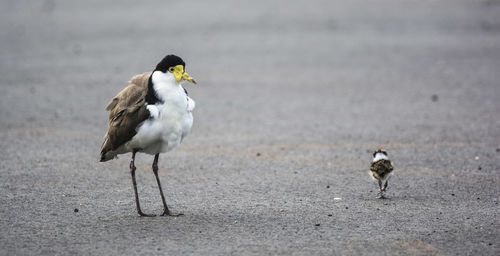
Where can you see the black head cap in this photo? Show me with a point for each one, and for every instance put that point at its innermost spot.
(379, 151)
(169, 61)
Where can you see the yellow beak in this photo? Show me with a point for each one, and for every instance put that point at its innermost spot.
(181, 75)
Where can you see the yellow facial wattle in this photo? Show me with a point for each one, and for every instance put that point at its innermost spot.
(179, 74)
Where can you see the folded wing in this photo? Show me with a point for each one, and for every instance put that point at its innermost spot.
(126, 112)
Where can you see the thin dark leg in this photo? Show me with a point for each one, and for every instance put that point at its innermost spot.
(385, 185)
(132, 172)
(166, 212)
(380, 192)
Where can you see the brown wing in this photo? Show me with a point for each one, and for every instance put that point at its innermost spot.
(127, 111)
(381, 167)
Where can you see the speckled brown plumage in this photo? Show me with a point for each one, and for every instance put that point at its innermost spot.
(127, 110)
(381, 169)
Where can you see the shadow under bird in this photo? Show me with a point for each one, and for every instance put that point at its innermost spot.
(381, 170)
(152, 115)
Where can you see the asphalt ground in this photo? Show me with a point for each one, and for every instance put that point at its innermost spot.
(293, 98)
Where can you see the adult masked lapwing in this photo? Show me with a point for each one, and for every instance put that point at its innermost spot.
(152, 115)
(380, 170)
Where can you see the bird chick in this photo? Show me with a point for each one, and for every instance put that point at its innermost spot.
(380, 170)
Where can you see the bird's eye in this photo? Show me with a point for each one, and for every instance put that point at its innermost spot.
(171, 70)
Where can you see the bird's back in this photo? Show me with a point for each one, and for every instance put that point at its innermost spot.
(127, 110)
(381, 168)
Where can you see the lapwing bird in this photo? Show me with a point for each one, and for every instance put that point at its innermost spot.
(152, 115)
(380, 170)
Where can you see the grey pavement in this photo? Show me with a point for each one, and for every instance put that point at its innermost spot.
(293, 97)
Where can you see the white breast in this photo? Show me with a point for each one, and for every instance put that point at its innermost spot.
(165, 130)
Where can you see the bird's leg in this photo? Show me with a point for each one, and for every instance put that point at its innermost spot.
(385, 185)
(166, 212)
(380, 192)
(132, 172)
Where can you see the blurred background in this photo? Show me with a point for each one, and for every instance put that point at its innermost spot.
(293, 97)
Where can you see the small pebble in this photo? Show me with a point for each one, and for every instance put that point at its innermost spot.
(476, 158)
(434, 97)
(258, 154)
(76, 210)
(498, 149)
(317, 225)
(328, 186)
(347, 207)
(330, 215)
(453, 194)
(479, 168)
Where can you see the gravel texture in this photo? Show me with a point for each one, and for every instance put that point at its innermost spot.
(293, 98)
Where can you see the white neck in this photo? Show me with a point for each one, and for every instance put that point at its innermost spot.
(164, 83)
(380, 156)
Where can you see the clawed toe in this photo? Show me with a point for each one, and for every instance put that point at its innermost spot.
(381, 196)
(141, 214)
(165, 213)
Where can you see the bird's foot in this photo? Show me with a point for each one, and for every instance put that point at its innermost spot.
(141, 214)
(381, 194)
(169, 213)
